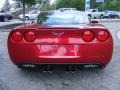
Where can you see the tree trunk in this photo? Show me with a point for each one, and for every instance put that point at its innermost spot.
(23, 12)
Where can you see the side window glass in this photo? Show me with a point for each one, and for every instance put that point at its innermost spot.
(93, 10)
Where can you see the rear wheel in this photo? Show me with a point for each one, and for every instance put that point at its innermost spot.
(26, 18)
(101, 67)
(89, 16)
(101, 16)
(116, 17)
(5, 19)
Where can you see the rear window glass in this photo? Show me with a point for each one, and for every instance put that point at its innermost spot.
(62, 18)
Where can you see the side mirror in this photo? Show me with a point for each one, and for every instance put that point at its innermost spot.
(94, 22)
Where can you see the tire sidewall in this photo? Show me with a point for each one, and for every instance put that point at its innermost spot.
(26, 18)
(5, 19)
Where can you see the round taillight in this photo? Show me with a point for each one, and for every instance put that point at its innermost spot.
(88, 36)
(103, 36)
(16, 36)
(30, 36)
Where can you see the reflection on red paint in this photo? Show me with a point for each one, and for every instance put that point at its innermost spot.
(58, 50)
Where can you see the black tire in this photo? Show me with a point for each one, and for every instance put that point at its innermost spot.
(89, 16)
(3, 19)
(108, 17)
(116, 17)
(27, 18)
(101, 16)
(101, 66)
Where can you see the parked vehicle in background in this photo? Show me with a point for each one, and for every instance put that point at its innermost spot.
(65, 9)
(5, 17)
(111, 14)
(119, 14)
(94, 13)
(32, 15)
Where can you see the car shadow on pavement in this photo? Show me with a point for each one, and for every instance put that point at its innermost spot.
(63, 79)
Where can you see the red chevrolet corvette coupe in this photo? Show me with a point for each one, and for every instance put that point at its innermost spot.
(61, 37)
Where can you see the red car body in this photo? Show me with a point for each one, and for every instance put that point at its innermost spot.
(60, 44)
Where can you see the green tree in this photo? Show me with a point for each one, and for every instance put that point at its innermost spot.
(27, 2)
(107, 5)
(113, 4)
(45, 4)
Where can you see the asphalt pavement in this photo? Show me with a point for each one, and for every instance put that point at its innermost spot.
(7, 26)
(13, 78)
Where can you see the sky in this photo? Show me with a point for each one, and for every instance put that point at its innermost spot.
(52, 1)
(2, 2)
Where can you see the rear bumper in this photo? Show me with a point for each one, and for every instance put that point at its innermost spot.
(111, 16)
(87, 53)
(75, 65)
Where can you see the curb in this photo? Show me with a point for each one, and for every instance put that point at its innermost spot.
(106, 20)
(10, 26)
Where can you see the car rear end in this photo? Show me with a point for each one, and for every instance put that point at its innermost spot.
(111, 14)
(61, 38)
(60, 46)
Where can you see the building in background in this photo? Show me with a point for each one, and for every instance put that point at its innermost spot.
(87, 5)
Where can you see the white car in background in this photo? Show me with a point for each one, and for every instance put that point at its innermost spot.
(94, 13)
(32, 15)
(67, 9)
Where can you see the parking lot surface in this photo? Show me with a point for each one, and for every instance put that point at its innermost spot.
(13, 78)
